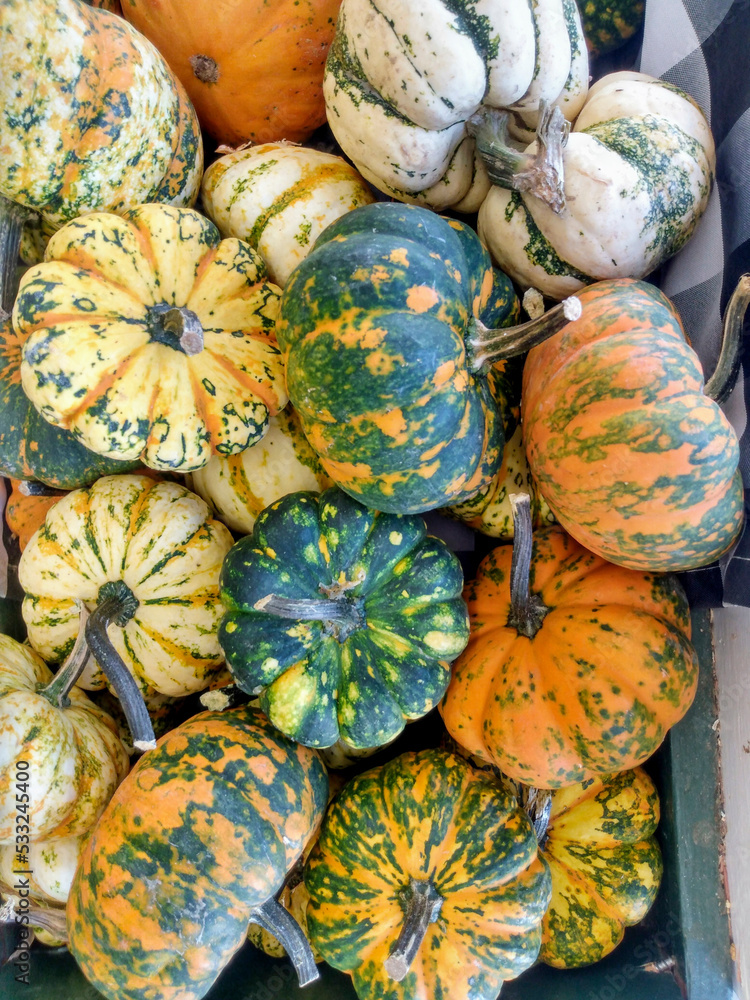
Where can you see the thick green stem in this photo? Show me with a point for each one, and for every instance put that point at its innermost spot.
(343, 615)
(272, 916)
(527, 610)
(56, 692)
(422, 904)
(12, 218)
(117, 605)
(541, 173)
(485, 347)
(727, 368)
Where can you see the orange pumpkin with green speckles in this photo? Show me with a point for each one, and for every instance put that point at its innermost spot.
(633, 456)
(389, 361)
(193, 846)
(574, 667)
(27, 508)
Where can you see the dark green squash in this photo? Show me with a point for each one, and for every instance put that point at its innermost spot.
(389, 359)
(344, 619)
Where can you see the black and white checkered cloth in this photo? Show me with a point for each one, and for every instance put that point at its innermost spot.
(703, 46)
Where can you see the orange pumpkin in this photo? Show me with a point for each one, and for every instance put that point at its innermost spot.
(574, 668)
(254, 71)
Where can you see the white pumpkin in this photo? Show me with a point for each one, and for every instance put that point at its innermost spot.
(279, 198)
(51, 864)
(402, 78)
(638, 169)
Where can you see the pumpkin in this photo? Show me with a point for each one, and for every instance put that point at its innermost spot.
(62, 757)
(489, 511)
(254, 72)
(93, 119)
(389, 362)
(574, 667)
(294, 896)
(425, 882)
(636, 460)
(239, 487)
(147, 552)
(167, 351)
(606, 866)
(50, 865)
(195, 843)
(279, 198)
(607, 24)
(27, 508)
(342, 618)
(31, 448)
(402, 79)
(637, 171)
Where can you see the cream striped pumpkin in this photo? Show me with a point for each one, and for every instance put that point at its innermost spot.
(156, 540)
(239, 487)
(279, 197)
(52, 864)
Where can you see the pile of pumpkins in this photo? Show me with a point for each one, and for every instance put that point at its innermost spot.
(222, 426)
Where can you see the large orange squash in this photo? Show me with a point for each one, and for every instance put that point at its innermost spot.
(574, 667)
(253, 69)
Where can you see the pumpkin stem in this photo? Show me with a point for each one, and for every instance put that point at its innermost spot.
(43, 918)
(721, 383)
(31, 488)
(272, 917)
(540, 173)
(537, 804)
(56, 692)
(343, 615)
(485, 347)
(12, 217)
(177, 327)
(422, 904)
(117, 605)
(527, 611)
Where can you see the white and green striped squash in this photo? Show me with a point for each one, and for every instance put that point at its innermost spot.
(401, 79)
(279, 197)
(154, 546)
(638, 169)
(239, 487)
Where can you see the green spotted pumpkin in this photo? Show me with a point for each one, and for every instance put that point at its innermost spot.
(344, 619)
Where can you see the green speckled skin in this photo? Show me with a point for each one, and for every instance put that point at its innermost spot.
(427, 816)
(317, 683)
(605, 862)
(372, 326)
(31, 448)
(609, 23)
(204, 828)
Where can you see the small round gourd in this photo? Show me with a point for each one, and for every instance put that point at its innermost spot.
(51, 865)
(279, 198)
(168, 350)
(195, 845)
(426, 882)
(342, 618)
(62, 756)
(154, 550)
(575, 667)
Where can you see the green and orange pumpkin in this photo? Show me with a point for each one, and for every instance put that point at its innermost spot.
(574, 667)
(195, 844)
